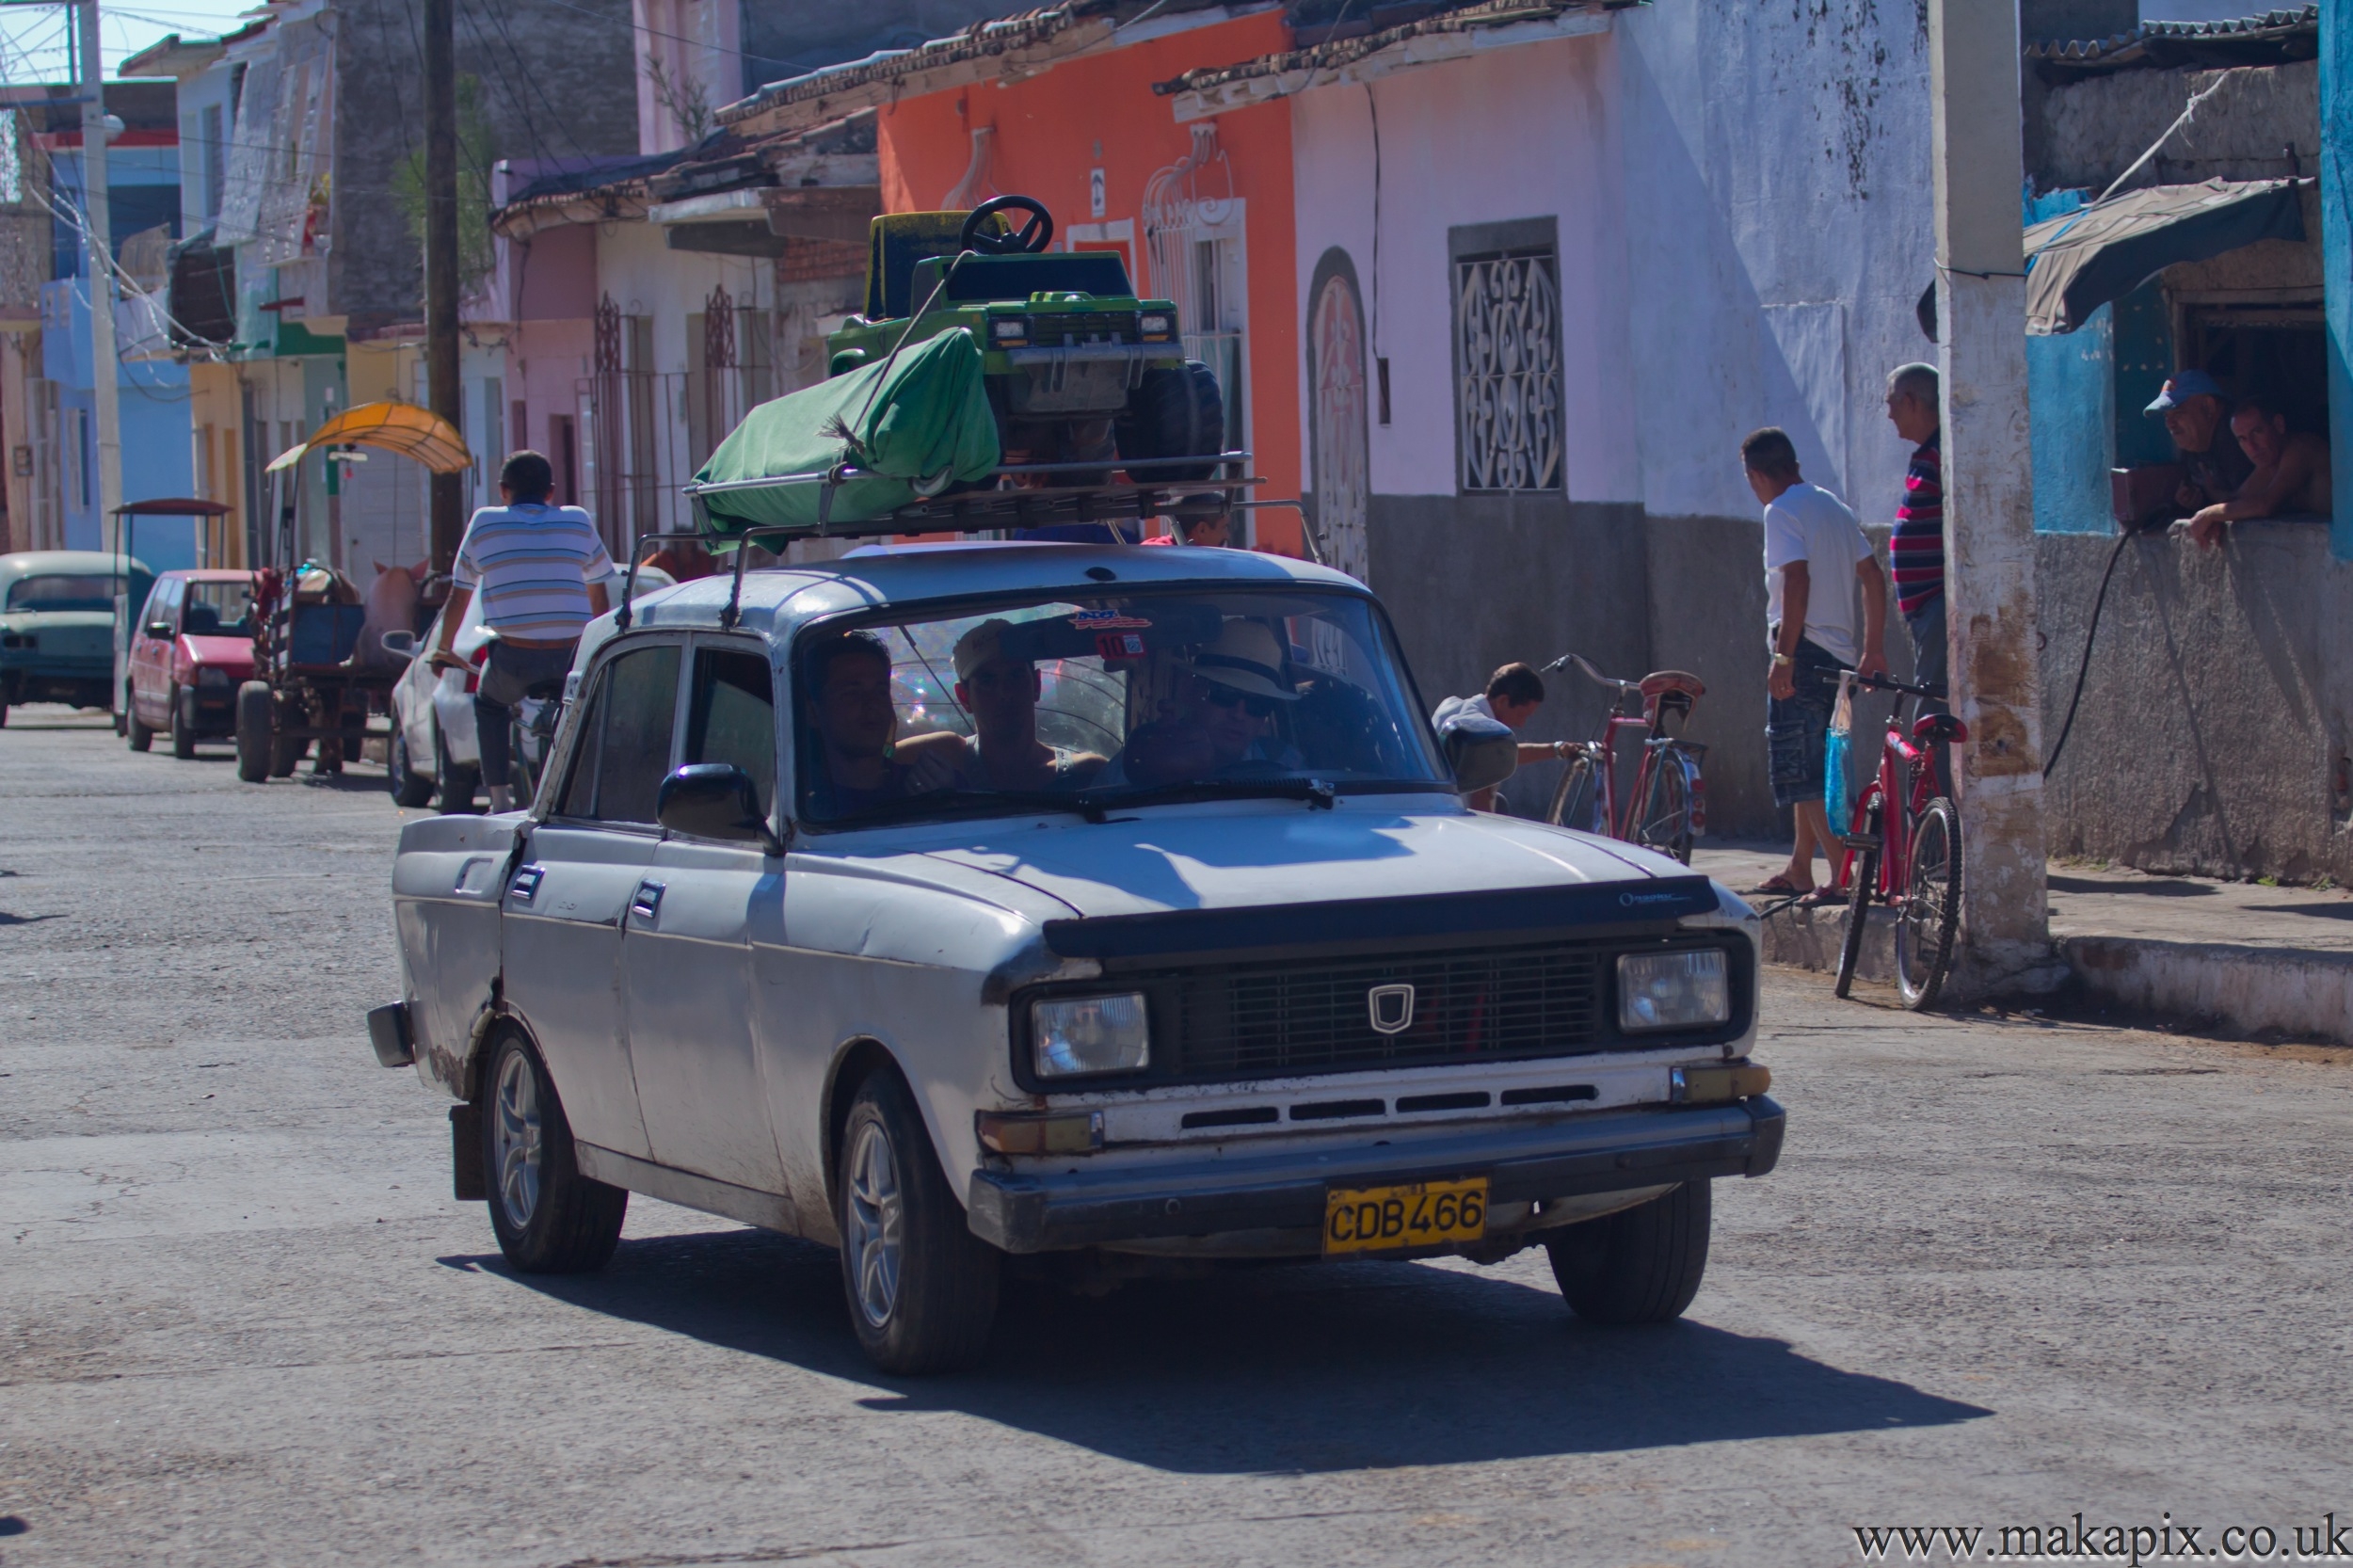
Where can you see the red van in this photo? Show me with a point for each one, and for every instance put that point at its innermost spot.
(193, 646)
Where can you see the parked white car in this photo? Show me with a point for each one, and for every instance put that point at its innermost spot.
(433, 744)
(964, 906)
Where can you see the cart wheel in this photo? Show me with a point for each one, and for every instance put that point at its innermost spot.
(255, 755)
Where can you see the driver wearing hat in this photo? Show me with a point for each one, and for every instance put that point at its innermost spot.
(1232, 688)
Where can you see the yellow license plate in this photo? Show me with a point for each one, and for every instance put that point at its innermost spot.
(1384, 1218)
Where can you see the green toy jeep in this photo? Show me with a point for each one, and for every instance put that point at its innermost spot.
(1079, 370)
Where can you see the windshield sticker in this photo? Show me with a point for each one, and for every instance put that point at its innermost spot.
(1108, 621)
(1112, 647)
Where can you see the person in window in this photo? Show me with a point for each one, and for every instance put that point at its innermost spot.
(1207, 532)
(1000, 688)
(2290, 474)
(1225, 722)
(2196, 417)
(856, 726)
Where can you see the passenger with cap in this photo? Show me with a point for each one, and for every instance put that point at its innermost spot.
(1230, 694)
(1000, 689)
(2197, 417)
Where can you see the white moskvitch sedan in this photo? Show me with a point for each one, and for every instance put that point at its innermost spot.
(980, 908)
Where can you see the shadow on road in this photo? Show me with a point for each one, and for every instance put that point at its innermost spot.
(1349, 1367)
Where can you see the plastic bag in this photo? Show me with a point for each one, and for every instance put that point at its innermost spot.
(1837, 800)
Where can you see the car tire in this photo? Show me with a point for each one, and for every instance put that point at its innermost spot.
(922, 1289)
(1175, 412)
(255, 753)
(409, 791)
(136, 735)
(182, 724)
(1641, 1265)
(549, 1219)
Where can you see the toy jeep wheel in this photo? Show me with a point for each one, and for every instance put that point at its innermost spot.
(1176, 412)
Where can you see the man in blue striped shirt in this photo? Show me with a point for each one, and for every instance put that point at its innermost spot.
(540, 570)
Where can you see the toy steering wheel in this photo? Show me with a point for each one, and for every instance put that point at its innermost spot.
(981, 235)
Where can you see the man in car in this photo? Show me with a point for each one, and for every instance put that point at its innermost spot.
(2290, 474)
(1000, 688)
(541, 571)
(856, 726)
(1226, 714)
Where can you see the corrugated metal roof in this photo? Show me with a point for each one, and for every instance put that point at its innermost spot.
(1341, 52)
(982, 40)
(2268, 38)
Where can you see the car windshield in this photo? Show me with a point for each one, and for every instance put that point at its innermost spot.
(79, 591)
(1081, 703)
(219, 610)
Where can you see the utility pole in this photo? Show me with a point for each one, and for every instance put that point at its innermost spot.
(98, 267)
(1995, 681)
(440, 263)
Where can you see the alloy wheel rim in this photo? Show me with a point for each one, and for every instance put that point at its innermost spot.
(878, 1224)
(515, 1133)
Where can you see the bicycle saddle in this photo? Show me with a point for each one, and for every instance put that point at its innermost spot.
(1931, 727)
(1672, 680)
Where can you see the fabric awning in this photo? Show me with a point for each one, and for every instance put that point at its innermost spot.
(401, 427)
(2080, 262)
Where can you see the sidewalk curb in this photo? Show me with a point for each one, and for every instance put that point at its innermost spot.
(2248, 990)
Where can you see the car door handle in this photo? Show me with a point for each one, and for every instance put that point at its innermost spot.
(525, 886)
(647, 904)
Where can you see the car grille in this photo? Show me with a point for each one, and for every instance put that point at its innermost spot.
(1055, 330)
(1265, 1020)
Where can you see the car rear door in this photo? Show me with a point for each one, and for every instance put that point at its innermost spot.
(566, 906)
(686, 953)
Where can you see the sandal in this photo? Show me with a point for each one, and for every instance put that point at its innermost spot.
(1779, 885)
(1820, 896)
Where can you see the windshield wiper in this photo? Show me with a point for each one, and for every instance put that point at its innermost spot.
(1318, 793)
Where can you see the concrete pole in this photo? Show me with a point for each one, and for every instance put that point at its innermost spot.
(1989, 500)
(98, 267)
(448, 516)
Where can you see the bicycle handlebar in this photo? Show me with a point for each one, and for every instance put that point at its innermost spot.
(1889, 683)
(1591, 674)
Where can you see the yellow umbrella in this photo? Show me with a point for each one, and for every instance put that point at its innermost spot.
(401, 427)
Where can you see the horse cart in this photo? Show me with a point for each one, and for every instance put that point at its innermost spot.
(315, 680)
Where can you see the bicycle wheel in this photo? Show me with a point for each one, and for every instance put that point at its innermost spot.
(1664, 823)
(1863, 871)
(1573, 799)
(1931, 907)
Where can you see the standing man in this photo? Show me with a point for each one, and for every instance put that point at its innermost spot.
(540, 570)
(1812, 541)
(1916, 549)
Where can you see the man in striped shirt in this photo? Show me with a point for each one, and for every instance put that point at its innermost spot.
(1917, 549)
(540, 570)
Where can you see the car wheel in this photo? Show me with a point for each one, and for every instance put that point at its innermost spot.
(182, 724)
(458, 780)
(1641, 1265)
(408, 790)
(255, 755)
(921, 1287)
(137, 734)
(549, 1219)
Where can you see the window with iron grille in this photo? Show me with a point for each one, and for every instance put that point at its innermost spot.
(1507, 356)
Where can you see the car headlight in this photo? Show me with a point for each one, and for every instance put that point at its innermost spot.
(1673, 990)
(1156, 326)
(1070, 1036)
(1009, 330)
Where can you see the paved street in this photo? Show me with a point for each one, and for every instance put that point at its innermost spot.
(2010, 1270)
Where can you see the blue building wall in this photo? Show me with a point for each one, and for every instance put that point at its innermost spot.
(152, 397)
(2336, 250)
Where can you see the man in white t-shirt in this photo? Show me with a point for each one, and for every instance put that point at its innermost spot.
(1812, 541)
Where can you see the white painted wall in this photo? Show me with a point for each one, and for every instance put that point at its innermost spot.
(1745, 224)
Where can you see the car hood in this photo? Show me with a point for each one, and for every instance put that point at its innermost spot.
(1256, 853)
(228, 653)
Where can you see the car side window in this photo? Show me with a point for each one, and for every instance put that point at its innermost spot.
(731, 716)
(158, 605)
(580, 790)
(637, 707)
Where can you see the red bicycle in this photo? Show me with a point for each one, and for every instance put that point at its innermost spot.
(1907, 854)
(1667, 807)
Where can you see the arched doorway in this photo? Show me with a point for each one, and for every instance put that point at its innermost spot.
(1336, 411)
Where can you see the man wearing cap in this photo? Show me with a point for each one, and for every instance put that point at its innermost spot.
(1000, 689)
(1232, 689)
(2196, 415)
(2290, 474)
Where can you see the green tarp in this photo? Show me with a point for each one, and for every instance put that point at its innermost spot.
(921, 417)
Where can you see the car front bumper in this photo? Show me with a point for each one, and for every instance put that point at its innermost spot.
(1606, 1151)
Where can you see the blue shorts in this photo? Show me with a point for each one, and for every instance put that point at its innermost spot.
(1796, 727)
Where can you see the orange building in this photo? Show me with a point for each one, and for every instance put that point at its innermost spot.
(1203, 213)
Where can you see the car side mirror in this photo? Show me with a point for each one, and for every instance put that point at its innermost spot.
(714, 800)
(401, 645)
(159, 628)
(1483, 751)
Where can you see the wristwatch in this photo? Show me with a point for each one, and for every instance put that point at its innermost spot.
(1780, 658)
